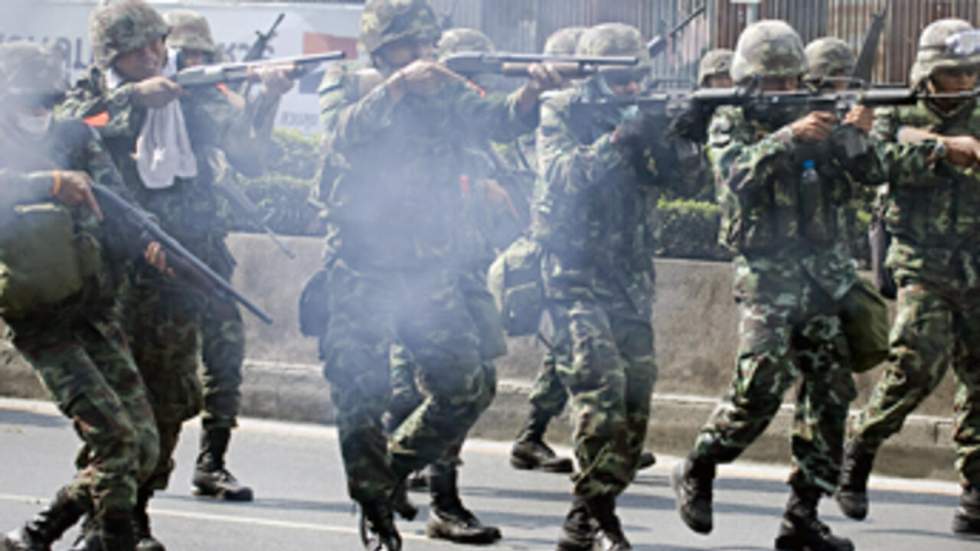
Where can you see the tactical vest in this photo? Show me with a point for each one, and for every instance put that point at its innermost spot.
(946, 213)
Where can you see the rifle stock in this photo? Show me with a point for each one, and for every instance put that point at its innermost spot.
(864, 67)
(183, 261)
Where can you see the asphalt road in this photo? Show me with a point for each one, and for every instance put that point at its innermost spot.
(302, 503)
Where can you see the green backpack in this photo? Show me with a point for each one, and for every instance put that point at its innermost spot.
(43, 259)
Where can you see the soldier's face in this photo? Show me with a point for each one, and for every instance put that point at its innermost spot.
(780, 84)
(142, 63)
(954, 80)
(399, 54)
(719, 81)
(192, 58)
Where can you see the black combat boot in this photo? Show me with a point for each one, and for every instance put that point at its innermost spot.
(966, 521)
(211, 478)
(531, 453)
(692, 481)
(603, 510)
(448, 518)
(647, 460)
(801, 530)
(377, 527)
(401, 504)
(46, 527)
(141, 519)
(579, 531)
(418, 481)
(852, 488)
(116, 533)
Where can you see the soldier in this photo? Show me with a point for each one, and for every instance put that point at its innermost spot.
(714, 69)
(781, 177)
(593, 217)
(548, 395)
(222, 332)
(75, 340)
(931, 213)
(170, 147)
(393, 276)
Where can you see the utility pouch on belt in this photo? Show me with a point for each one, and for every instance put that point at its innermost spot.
(879, 239)
(43, 261)
(313, 312)
(864, 316)
(514, 279)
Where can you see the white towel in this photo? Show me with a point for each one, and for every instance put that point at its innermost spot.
(163, 149)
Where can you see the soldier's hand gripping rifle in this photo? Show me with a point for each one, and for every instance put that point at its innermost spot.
(470, 64)
(184, 263)
(233, 73)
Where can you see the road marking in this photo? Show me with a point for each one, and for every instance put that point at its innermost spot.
(237, 519)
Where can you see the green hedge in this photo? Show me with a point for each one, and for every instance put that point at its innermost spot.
(687, 228)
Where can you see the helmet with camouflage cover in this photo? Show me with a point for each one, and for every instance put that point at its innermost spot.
(613, 39)
(386, 21)
(120, 27)
(935, 52)
(463, 39)
(189, 30)
(564, 41)
(715, 63)
(829, 57)
(31, 70)
(768, 48)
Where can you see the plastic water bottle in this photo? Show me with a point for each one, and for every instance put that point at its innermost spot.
(810, 176)
(809, 190)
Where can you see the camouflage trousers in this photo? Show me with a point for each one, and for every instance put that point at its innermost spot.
(798, 336)
(87, 366)
(164, 325)
(223, 353)
(427, 312)
(548, 395)
(932, 330)
(605, 358)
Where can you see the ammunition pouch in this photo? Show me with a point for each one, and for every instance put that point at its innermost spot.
(514, 280)
(864, 316)
(313, 312)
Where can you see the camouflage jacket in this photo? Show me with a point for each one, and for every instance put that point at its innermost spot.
(220, 133)
(26, 178)
(933, 210)
(596, 200)
(399, 177)
(771, 218)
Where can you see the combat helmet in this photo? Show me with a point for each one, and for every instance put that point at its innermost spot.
(29, 70)
(189, 30)
(829, 57)
(386, 21)
(564, 41)
(936, 50)
(613, 39)
(715, 63)
(120, 27)
(463, 39)
(768, 48)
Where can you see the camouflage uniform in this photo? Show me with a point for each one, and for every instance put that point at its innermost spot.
(78, 347)
(593, 216)
(164, 316)
(394, 277)
(793, 276)
(932, 216)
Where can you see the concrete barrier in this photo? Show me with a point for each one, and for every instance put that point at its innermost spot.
(695, 325)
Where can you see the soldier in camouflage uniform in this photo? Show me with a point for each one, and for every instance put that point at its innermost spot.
(934, 153)
(394, 276)
(127, 99)
(600, 171)
(782, 182)
(714, 70)
(77, 345)
(222, 330)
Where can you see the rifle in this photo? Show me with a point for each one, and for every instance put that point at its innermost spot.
(515, 65)
(231, 73)
(252, 213)
(179, 257)
(864, 67)
(658, 44)
(257, 50)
